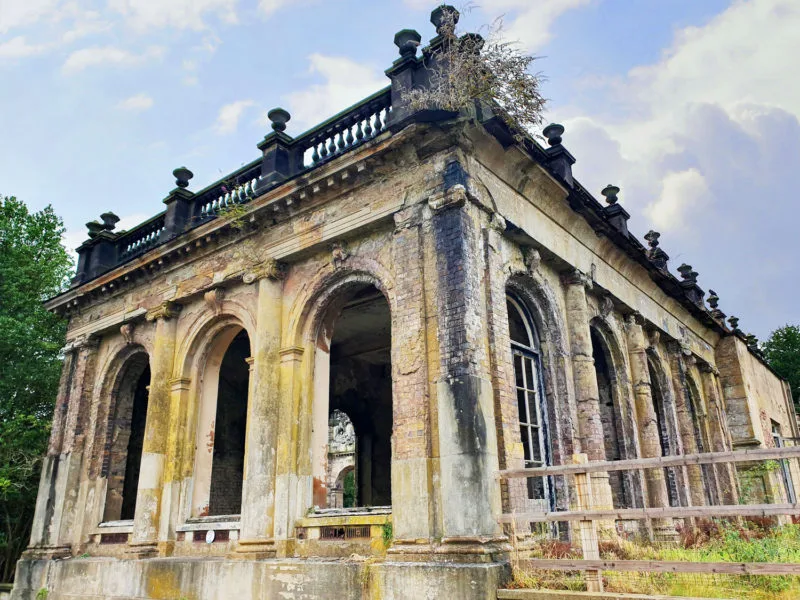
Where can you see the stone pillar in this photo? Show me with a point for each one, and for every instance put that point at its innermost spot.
(60, 479)
(646, 420)
(587, 395)
(692, 474)
(467, 437)
(146, 522)
(412, 513)
(256, 536)
(720, 436)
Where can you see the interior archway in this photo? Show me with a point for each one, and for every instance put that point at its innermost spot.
(657, 389)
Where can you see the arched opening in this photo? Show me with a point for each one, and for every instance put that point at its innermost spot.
(124, 448)
(701, 441)
(531, 405)
(222, 424)
(353, 378)
(611, 417)
(656, 386)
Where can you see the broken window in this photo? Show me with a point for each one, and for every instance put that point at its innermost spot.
(611, 418)
(124, 450)
(353, 403)
(530, 400)
(222, 423)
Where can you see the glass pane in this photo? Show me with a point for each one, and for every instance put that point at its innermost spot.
(518, 370)
(525, 434)
(536, 444)
(534, 414)
(523, 415)
(516, 326)
(529, 381)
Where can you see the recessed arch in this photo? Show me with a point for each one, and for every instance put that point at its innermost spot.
(127, 415)
(221, 378)
(666, 434)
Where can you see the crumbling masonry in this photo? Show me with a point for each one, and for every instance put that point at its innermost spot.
(442, 288)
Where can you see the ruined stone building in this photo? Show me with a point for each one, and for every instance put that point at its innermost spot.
(334, 349)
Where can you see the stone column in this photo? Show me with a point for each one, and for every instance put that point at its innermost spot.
(646, 420)
(256, 536)
(412, 513)
(692, 474)
(464, 406)
(720, 436)
(144, 540)
(587, 395)
(60, 479)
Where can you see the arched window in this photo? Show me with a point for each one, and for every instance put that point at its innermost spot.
(701, 442)
(663, 431)
(530, 399)
(222, 424)
(124, 446)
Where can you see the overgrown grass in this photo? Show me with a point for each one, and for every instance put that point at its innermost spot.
(710, 541)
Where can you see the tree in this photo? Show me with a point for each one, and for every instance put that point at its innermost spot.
(33, 267)
(782, 351)
(463, 69)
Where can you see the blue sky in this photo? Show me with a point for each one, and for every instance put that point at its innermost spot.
(691, 107)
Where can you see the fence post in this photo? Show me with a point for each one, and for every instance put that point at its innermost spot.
(587, 528)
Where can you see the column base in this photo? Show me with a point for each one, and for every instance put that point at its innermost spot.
(47, 552)
(254, 549)
(454, 549)
(142, 550)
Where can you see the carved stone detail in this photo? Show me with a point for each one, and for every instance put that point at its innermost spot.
(339, 254)
(606, 305)
(214, 300)
(165, 310)
(127, 332)
(270, 269)
(532, 260)
(576, 277)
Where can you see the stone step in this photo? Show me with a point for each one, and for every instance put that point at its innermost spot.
(567, 595)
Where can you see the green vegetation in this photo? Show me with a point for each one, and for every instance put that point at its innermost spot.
(756, 541)
(349, 489)
(782, 351)
(33, 266)
(388, 534)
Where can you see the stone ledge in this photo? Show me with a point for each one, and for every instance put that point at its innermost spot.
(567, 595)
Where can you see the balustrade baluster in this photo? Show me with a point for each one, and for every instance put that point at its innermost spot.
(378, 123)
(339, 141)
(315, 154)
(359, 132)
(368, 126)
(349, 139)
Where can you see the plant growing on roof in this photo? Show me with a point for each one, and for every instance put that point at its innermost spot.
(466, 68)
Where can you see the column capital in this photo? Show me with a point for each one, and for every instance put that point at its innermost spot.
(634, 319)
(576, 277)
(89, 341)
(679, 348)
(706, 367)
(268, 269)
(166, 310)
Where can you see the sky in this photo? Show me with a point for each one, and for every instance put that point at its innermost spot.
(692, 107)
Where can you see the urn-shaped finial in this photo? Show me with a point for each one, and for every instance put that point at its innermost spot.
(110, 220)
(610, 192)
(553, 133)
(182, 176)
(279, 117)
(407, 41)
(445, 18)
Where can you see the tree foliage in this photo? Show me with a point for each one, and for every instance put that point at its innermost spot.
(33, 266)
(490, 69)
(782, 351)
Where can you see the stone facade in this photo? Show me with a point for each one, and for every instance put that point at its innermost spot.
(411, 277)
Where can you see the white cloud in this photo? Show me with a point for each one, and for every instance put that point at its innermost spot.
(533, 24)
(345, 82)
(181, 14)
(681, 193)
(19, 13)
(267, 7)
(137, 103)
(18, 47)
(108, 55)
(229, 115)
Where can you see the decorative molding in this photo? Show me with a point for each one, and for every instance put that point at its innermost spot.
(454, 196)
(606, 305)
(166, 310)
(576, 277)
(634, 319)
(290, 353)
(88, 341)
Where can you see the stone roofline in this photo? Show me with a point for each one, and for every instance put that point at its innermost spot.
(293, 170)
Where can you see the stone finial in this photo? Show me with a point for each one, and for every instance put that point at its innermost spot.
(610, 192)
(110, 220)
(752, 341)
(445, 18)
(553, 133)
(94, 228)
(713, 300)
(182, 176)
(471, 43)
(279, 117)
(733, 322)
(687, 273)
(652, 239)
(407, 42)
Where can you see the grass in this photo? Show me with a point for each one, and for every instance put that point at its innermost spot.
(710, 541)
